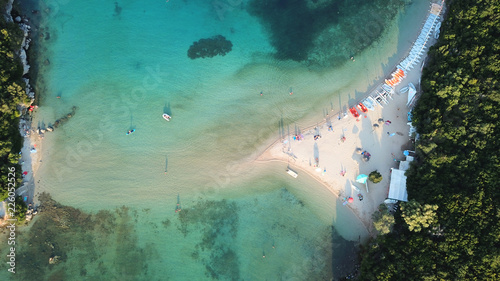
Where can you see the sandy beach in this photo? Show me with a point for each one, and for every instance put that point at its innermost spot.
(336, 164)
(30, 160)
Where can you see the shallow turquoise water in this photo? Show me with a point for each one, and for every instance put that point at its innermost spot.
(123, 64)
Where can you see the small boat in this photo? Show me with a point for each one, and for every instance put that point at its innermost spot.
(368, 103)
(411, 94)
(378, 100)
(362, 107)
(130, 132)
(436, 34)
(354, 112)
(166, 117)
(291, 173)
(372, 100)
(404, 90)
(387, 88)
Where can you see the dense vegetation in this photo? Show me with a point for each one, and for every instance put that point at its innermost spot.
(12, 93)
(451, 228)
(375, 177)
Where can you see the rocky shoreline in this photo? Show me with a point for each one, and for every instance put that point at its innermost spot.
(25, 109)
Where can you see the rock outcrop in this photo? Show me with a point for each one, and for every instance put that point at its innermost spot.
(210, 47)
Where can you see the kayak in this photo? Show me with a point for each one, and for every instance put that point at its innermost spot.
(362, 107)
(354, 112)
(130, 132)
(166, 117)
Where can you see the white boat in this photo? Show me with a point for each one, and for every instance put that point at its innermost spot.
(291, 173)
(412, 92)
(368, 104)
(355, 188)
(387, 88)
(436, 34)
(166, 117)
(381, 96)
(378, 100)
(372, 100)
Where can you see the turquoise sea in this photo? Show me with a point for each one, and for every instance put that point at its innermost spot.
(124, 63)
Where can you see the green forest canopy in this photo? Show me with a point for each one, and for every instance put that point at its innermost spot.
(12, 93)
(457, 167)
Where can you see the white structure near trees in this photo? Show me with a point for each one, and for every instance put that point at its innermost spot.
(397, 188)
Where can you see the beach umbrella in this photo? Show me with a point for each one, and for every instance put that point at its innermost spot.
(376, 125)
(406, 152)
(350, 200)
(358, 150)
(362, 178)
(25, 173)
(381, 120)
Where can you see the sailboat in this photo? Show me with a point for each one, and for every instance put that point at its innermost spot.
(411, 94)
(436, 34)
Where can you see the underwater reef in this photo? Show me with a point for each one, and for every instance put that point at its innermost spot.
(210, 47)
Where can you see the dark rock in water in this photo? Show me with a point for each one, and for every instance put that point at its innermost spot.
(46, 62)
(64, 119)
(210, 47)
(118, 9)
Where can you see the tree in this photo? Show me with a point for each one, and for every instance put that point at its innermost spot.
(456, 163)
(418, 217)
(375, 177)
(383, 221)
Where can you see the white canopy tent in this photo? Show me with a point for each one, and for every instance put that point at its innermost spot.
(397, 189)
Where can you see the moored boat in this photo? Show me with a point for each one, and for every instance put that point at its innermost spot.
(412, 92)
(378, 100)
(368, 103)
(362, 107)
(436, 34)
(291, 173)
(166, 117)
(354, 112)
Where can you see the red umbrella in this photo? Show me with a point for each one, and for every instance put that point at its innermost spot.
(25, 173)
(350, 200)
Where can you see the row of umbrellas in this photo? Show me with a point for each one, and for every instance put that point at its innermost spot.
(416, 52)
(419, 46)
